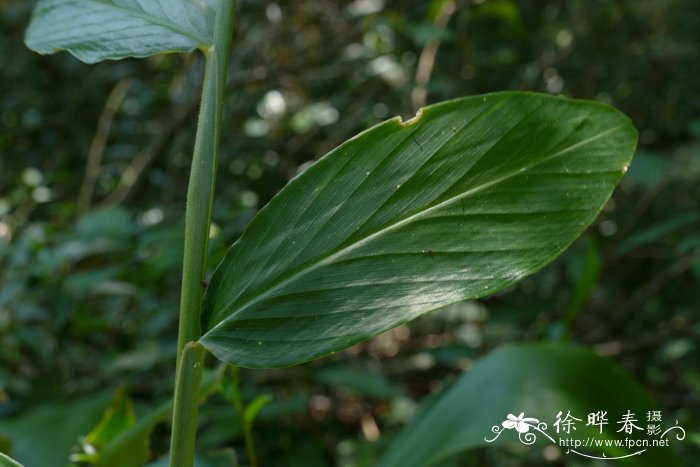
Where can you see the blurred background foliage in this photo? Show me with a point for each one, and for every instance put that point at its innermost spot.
(93, 172)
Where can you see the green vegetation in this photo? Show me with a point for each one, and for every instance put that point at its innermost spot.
(457, 204)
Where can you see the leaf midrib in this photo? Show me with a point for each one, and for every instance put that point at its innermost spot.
(323, 261)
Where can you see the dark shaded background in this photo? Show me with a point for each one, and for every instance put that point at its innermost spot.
(93, 172)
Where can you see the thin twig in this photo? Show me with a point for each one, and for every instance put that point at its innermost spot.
(99, 142)
(138, 165)
(426, 61)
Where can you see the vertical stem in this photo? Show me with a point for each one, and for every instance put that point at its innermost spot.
(200, 196)
(187, 381)
(203, 172)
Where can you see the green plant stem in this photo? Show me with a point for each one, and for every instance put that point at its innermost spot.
(187, 381)
(200, 196)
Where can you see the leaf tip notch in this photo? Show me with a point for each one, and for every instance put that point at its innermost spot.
(413, 120)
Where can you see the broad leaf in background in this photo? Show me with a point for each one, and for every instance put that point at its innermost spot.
(35, 439)
(364, 382)
(131, 447)
(539, 380)
(96, 30)
(584, 270)
(460, 202)
(6, 461)
(116, 419)
(656, 232)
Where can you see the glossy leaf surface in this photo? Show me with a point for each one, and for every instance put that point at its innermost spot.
(539, 380)
(460, 202)
(96, 30)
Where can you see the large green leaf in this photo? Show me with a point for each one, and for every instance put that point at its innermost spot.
(96, 30)
(460, 202)
(538, 380)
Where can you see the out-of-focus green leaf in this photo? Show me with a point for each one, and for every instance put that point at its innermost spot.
(6, 461)
(132, 447)
(505, 10)
(585, 272)
(144, 357)
(253, 409)
(648, 168)
(538, 380)
(694, 128)
(96, 30)
(366, 383)
(223, 458)
(45, 435)
(422, 33)
(689, 243)
(116, 419)
(464, 200)
(296, 403)
(113, 222)
(5, 442)
(692, 379)
(657, 231)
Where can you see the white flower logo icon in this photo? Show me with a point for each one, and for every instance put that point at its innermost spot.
(520, 423)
